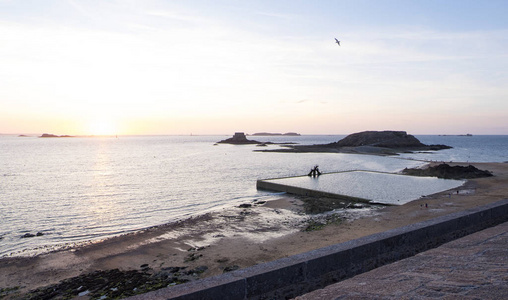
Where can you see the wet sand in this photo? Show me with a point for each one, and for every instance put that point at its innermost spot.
(241, 237)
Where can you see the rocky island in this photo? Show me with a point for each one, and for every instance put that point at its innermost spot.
(275, 134)
(238, 139)
(48, 135)
(369, 142)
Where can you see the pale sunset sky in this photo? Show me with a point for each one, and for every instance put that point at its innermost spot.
(216, 67)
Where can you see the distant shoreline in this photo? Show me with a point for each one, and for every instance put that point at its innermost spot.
(47, 135)
(275, 134)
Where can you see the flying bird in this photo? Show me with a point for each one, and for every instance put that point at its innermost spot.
(337, 41)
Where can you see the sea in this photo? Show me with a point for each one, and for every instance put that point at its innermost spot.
(84, 189)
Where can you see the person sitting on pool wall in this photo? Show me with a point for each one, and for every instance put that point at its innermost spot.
(314, 172)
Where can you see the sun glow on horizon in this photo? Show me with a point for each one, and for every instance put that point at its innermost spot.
(102, 127)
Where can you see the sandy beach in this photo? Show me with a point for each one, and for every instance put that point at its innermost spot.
(239, 237)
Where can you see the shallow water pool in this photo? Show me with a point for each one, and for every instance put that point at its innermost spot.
(378, 187)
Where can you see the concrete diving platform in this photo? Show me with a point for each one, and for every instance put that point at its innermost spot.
(361, 186)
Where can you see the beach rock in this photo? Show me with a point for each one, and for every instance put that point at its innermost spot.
(173, 269)
(30, 235)
(245, 205)
(356, 206)
(239, 139)
(192, 257)
(230, 268)
(145, 267)
(449, 172)
(197, 248)
(197, 270)
(5, 292)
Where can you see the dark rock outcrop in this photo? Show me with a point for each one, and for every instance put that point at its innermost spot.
(239, 139)
(449, 172)
(30, 235)
(231, 268)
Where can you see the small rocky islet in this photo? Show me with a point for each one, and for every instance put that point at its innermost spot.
(239, 138)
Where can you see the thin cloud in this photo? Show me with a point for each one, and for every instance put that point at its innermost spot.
(302, 101)
(179, 16)
(277, 15)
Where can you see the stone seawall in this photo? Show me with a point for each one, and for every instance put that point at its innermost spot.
(298, 274)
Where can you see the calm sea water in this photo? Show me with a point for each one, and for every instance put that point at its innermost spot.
(478, 148)
(82, 189)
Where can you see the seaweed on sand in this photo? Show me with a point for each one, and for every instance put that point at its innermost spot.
(109, 284)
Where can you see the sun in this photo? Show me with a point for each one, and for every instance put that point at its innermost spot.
(102, 127)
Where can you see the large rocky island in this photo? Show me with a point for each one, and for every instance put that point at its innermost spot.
(369, 142)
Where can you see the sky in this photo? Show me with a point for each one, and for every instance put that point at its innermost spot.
(218, 67)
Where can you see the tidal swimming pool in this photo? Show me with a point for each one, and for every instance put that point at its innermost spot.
(378, 187)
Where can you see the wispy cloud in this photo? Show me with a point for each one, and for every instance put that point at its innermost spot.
(174, 15)
(284, 16)
(80, 8)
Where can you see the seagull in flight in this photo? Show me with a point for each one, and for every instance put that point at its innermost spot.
(337, 41)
